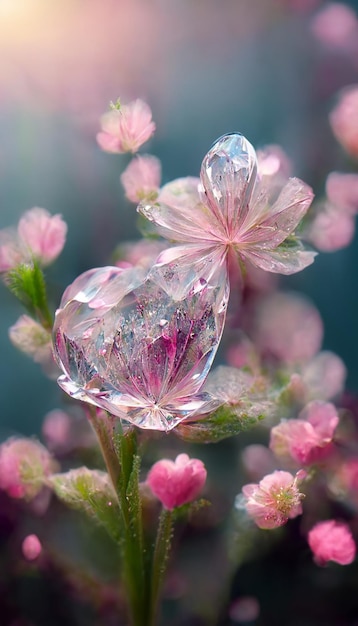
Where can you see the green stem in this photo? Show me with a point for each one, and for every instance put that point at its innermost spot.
(103, 428)
(160, 559)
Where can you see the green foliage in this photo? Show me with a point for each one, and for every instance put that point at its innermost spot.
(27, 283)
(89, 491)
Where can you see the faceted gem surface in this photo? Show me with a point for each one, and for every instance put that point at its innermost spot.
(136, 346)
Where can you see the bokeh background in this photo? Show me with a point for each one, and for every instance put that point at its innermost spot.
(205, 67)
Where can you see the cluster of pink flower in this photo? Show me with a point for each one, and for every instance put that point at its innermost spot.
(135, 342)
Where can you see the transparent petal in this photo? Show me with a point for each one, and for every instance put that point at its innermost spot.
(275, 223)
(145, 355)
(228, 175)
(285, 259)
(179, 214)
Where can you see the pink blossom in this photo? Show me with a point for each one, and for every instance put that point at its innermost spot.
(336, 26)
(307, 439)
(44, 235)
(331, 229)
(31, 547)
(344, 119)
(177, 482)
(274, 500)
(125, 129)
(231, 210)
(24, 466)
(141, 178)
(244, 609)
(11, 253)
(342, 191)
(288, 326)
(332, 541)
(258, 461)
(32, 339)
(324, 376)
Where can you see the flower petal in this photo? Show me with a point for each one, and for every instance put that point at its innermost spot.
(228, 175)
(288, 258)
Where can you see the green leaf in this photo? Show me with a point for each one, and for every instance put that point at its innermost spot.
(90, 491)
(27, 283)
(226, 421)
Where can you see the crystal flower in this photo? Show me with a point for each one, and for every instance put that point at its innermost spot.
(140, 345)
(232, 208)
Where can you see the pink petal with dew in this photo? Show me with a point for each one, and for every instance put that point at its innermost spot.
(282, 260)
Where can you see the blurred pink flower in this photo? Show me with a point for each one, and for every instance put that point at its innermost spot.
(257, 461)
(332, 541)
(24, 466)
(244, 609)
(288, 326)
(336, 26)
(308, 439)
(177, 482)
(230, 211)
(324, 376)
(31, 547)
(44, 235)
(141, 178)
(344, 119)
(11, 253)
(331, 229)
(32, 339)
(125, 129)
(342, 191)
(274, 500)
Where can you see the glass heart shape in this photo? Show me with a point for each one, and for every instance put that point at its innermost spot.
(139, 347)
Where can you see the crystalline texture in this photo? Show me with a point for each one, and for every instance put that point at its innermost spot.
(130, 344)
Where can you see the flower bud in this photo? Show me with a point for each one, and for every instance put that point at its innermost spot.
(332, 541)
(126, 128)
(24, 467)
(177, 482)
(43, 234)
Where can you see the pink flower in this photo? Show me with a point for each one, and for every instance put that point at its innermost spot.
(125, 129)
(177, 482)
(257, 461)
(230, 210)
(307, 439)
(11, 253)
(31, 547)
(331, 229)
(274, 500)
(344, 119)
(342, 191)
(332, 541)
(32, 339)
(141, 178)
(336, 26)
(44, 235)
(289, 327)
(324, 376)
(24, 466)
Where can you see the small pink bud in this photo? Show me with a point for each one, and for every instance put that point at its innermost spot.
(31, 547)
(24, 466)
(56, 430)
(336, 26)
(177, 482)
(274, 500)
(125, 129)
(43, 234)
(141, 178)
(332, 541)
(342, 191)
